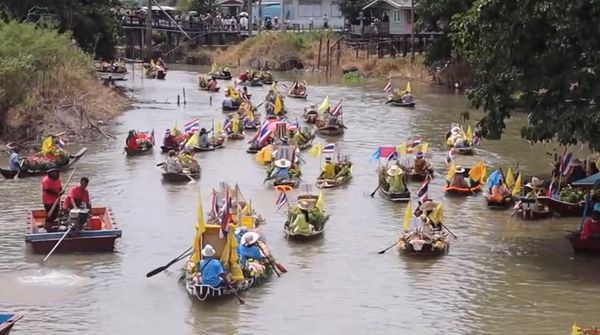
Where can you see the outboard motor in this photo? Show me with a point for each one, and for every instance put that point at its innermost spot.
(79, 218)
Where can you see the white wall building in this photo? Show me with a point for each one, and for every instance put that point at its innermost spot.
(301, 12)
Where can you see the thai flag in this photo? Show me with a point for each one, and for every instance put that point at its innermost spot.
(228, 125)
(450, 156)
(415, 142)
(517, 170)
(226, 216)
(388, 87)
(192, 126)
(304, 82)
(552, 189)
(423, 190)
(337, 110)
(281, 200)
(60, 143)
(263, 134)
(284, 86)
(564, 165)
(393, 156)
(329, 148)
(476, 140)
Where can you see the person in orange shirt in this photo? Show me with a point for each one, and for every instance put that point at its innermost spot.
(131, 141)
(78, 195)
(51, 192)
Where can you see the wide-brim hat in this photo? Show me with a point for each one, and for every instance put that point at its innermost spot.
(208, 251)
(419, 154)
(534, 183)
(249, 238)
(394, 171)
(305, 205)
(429, 206)
(459, 169)
(283, 163)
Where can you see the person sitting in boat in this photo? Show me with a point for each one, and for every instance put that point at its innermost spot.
(78, 195)
(267, 76)
(301, 224)
(204, 142)
(245, 76)
(14, 160)
(51, 191)
(396, 96)
(328, 169)
(499, 191)
(170, 140)
(332, 121)
(249, 249)
(576, 171)
(421, 166)
(459, 179)
(282, 170)
(203, 81)
(226, 72)
(591, 227)
(186, 159)
(454, 136)
(534, 188)
(210, 269)
(395, 179)
(172, 164)
(213, 85)
(132, 141)
(407, 97)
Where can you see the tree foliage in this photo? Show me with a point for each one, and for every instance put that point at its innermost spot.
(546, 52)
(351, 8)
(93, 23)
(437, 16)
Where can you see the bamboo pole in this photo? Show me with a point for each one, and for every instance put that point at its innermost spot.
(319, 54)
(327, 59)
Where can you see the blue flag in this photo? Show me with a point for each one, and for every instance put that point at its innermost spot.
(375, 155)
(493, 179)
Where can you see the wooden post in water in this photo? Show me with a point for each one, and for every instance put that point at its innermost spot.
(327, 59)
(339, 51)
(177, 99)
(149, 30)
(184, 101)
(319, 54)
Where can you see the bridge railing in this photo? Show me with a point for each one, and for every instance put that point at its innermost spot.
(133, 21)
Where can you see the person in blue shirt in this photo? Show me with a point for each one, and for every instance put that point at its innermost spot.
(249, 249)
(282, 169)
(14, 160)
(211, 269)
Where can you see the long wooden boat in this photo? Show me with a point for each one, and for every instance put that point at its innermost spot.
(427, 250)
(205, 89)
(562, 208)
(156, 74)
(236, 136)
(331, 183)
(167, 148)
(220, 76)
(303, 237)
(112, 75)
(467, 151)
(298, 96)
(452, 190)
(590, 246)
(252, 83)
(180, 177)
(495, 204)
(10, 174)
(330, 130)
(267, 81)
(90, 239)
(401, 104)
(395, 197)
(292, 182)
(7, 321)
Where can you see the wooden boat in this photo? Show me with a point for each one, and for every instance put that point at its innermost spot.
(166, 148)
(418, 177)
(395, 197)
(330, 130)
(7, 321)
(292, 182)
(267, 81)
(104, 75)
(9, 174)
(495, 204)
(401, 104)
(302, 95)
(220, 76)
(142, 150)
(301, 236)
(252, 83)
(533, 215)
(99, 234)
(331, 183)
(590, 246)
(218, 145)
(427, 250)
(205, 89)
(451, 190)
(465, 151)
(156, 74)
(310, 116)
(562, 208)
(180, 177)
(236, 136)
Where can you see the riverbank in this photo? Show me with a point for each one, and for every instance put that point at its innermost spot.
(285, 51)
(48, 85)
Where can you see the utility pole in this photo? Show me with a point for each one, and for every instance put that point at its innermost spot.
(412, 31)
(149, 31)
(259, 19)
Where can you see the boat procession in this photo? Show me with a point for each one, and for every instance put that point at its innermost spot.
(293, 138)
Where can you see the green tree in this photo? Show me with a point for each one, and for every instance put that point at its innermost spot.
(546, 52)
(93, 23)
(437, 16)
(351, 8)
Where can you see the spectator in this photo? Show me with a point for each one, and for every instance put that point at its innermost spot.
(325, 22)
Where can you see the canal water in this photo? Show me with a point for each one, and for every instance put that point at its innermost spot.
(501, 276)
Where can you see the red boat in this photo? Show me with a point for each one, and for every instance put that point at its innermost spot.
(98, 235)
(562, 208)
(590, 246)
(7, 321)
(462, 191)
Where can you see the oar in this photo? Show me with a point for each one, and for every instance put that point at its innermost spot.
(242, 302)
(61, 193)
(271, 260)
(164, 267)
(373, 193)
(451, 233)
(388, 248)
(20, 167)
(57, 244)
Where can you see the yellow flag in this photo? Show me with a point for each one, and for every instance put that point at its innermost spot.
(451, 171)
(517, 187)
(274, 87)
(200, 229)
(401, 149)
(407, 216)
(214, 68)
(278, 106)
(320, 202)
(408, 89)
(438, 214)
(469, 133)
(264, 155)
(235, 125)
(230, 257)
(462, 132)
(218, 128)
(324, 105)
(477, 171)
(510, 178)
(247, 209)
(315, 151)
(575, 330)
(424, 147)
(193, 141)
(484, 175)
(47, 145)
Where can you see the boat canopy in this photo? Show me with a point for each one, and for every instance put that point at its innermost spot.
(588, 181)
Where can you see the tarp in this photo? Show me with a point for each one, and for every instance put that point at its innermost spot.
(589, 181)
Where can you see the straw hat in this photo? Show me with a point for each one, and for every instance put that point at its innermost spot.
(305, 205)
(455, 131)
(459, 169)
(283, 163)
(535, 183)
(208, 251)
(419, 154)
(249, 238)
(394, 171)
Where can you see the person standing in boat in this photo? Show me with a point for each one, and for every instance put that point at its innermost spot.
(210, 269)
(51, 192)
(14, 160)
(204, 143)
(395, 179)
(78, 195)
(407, 97)
(132, 141)
(328, 169)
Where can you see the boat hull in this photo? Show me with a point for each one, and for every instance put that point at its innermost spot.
(427, 251)
(7, 321)
(591, 246)
(402, 104)
(451, 190)
(298, 96)
(562, 208)
(113, 75)
(302, 237)
(330, 131)
(501, 205)
(139, 152)
(179, 177)
(395, 197)
(9, 174)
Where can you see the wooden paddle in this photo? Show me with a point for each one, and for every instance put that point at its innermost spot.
(388, 248)
(242, 302)
(373, 193)
(451, 233)
(164, 267)
(20, 168)
(271, 260)
(57, 244)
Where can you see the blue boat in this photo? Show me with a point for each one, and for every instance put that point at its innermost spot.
(7, 321)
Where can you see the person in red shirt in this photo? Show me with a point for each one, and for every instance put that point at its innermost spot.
(591, 227)
(51, 192)
(78, 195)
(131, 141)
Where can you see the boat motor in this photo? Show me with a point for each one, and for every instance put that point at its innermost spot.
(79, 218)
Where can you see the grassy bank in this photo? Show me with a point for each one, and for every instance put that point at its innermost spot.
(47, 84)
(286, 50)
